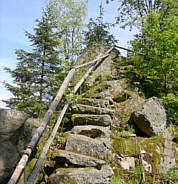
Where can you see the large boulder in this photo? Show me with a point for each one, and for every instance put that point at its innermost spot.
(10, 121)
(151, 118)
(16, 130)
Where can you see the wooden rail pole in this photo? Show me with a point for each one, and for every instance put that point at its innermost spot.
(39, 163)
(27, 152)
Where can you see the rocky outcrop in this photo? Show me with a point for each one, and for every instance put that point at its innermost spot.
(87, 151)
(16, 130)
(103, 137)
(151, 118)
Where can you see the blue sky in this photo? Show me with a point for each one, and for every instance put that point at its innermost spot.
(19, 15)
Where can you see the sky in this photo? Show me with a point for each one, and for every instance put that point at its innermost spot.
(16, 16)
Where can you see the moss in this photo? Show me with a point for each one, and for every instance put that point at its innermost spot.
(31, 166)
(68, 179)
(124, 146)
(130, 147)
(41, 144)
(66, 134)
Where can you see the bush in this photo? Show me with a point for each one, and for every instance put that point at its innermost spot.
(171, 104)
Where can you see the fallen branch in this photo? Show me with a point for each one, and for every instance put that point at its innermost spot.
(39, 163)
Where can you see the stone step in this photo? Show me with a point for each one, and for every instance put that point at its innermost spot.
(68, 157)
(87, 146)
(94, 102)
(92, 131)
(90, 119)
(87, 109)
(86, 175)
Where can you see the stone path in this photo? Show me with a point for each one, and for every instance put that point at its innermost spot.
(88, 148)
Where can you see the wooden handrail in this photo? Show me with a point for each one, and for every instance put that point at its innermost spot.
(39, 163)
(27, 152)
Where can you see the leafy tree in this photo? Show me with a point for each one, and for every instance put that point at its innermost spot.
(70, 17)
(131, 12)
(155, 47)
(38, 73)
(156, 59)
(156, 65)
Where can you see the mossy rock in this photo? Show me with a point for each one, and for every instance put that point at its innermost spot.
(157, 151)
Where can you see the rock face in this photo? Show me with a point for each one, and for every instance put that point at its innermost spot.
(15, 132)
(167, 161)
(88, 146)
(92, 52)
(151, 118)
(10, 122)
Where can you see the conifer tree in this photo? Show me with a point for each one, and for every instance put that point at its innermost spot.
(98, 31)
(38, 73)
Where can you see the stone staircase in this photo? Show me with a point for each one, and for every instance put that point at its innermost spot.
(88, 148)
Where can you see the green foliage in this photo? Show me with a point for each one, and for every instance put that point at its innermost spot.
(114, 180)
(69, 17)
(171, 177)
(38, 73)
(171, 104)
(156, 57)
(130, 12)
(98, 32)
